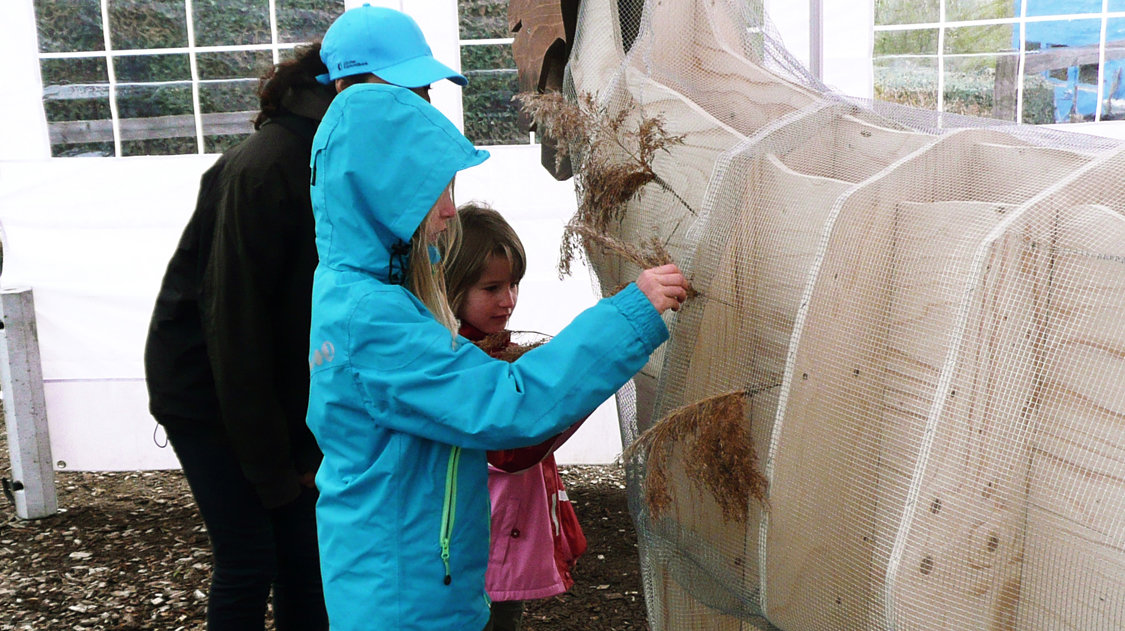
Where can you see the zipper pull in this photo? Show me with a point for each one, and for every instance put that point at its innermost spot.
(445, 559)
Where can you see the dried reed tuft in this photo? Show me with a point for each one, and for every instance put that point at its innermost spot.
(718, 455)
(651, 253)
(612, 157)
(500, 346)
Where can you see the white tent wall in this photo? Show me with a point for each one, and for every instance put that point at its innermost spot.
(92, 236)
(847, 39)
(23, 126)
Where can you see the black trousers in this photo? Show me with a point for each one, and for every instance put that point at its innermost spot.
(255, 549)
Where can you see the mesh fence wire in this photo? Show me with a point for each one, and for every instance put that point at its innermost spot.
(914, 320)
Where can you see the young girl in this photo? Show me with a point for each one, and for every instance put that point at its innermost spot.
(535, 533)
(401, 406)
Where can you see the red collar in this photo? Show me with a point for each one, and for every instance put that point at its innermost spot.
(473, 333)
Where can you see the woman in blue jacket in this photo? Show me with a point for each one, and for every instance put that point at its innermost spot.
(401, 406)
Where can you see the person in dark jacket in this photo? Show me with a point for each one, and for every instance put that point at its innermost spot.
(226, 367)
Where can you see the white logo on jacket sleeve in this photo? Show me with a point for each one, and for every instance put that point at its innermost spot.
(325, 354)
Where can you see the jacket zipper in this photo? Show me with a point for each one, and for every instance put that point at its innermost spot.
(449, 508)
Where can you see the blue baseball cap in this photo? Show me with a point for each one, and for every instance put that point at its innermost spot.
(384, 42)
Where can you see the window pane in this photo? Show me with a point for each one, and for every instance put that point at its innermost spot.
(159, 146)
(959, 10)
(1113, 101)
(145, 101)
(227, 107)
(980, 39)
(305, 20)
(151, 68)
(1063, 33)
(1062, 63)
(490, 116)
(249, 64)
(910, 81)
(1116, 5)
(483, 19)
(76, 102)
(156, 120)
(141, 24)
(1043, 97)
(70, 71)
(69, 25)
(906, 11)
(228, 22)
(1054, 7)
(229, 96)
(981, 86)
(916, 42)
(78, 120)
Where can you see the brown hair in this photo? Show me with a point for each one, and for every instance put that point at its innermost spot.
(299, 72)
(484, 233)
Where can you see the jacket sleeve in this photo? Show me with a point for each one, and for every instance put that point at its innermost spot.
(413, 379)
(239, 317)
(523, 458)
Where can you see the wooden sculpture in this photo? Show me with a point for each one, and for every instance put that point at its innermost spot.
(926, 324)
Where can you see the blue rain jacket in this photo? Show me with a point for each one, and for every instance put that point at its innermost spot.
(402, 410)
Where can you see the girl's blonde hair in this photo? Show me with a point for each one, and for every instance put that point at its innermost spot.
(426, 278)
(484, 233)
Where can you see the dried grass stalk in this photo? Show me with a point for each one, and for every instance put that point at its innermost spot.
(651, 253)
(500, 346)
(611, 157)
(718, 455)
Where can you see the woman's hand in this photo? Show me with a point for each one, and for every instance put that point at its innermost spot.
(664, 286)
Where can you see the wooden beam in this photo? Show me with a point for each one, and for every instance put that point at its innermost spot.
(1068, 56)
(25, 408)
(183, 125)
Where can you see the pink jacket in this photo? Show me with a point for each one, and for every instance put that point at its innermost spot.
(535, 533)
(531, 517)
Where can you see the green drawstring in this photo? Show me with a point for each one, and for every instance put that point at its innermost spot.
(449, 508)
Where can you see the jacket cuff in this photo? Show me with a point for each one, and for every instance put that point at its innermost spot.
(635, 306)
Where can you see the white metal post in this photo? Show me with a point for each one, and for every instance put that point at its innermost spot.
(816, 39)
(25, 409)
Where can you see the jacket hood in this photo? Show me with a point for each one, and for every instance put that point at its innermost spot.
(381, 157)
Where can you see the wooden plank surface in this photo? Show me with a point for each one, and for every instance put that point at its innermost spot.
(742, 207)
(964, 540)
(597, 52)
(758, 280)
(826, 561)
(850, 149)
(686, 170)
(214, 124)
(1075, 555)
(688, 47)
(1011, 173)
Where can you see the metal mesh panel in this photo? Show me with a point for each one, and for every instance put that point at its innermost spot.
(920, 315)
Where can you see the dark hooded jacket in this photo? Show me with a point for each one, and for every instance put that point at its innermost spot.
(228, 338)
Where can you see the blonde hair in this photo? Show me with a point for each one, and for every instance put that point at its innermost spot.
(426, 279)
(484, 233)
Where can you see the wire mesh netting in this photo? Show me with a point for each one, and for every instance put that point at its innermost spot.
(897, 399)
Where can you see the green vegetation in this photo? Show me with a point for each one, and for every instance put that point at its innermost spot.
(483, 19)
(906, 61)
(160, 85)
(968, 91)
